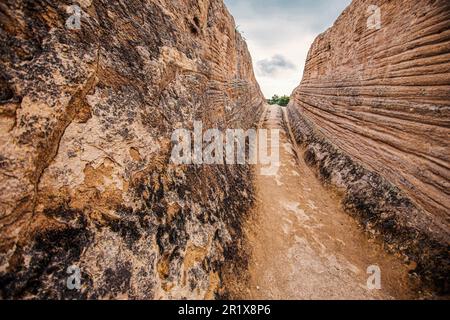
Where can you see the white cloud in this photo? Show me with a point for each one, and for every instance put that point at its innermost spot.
(273, 66)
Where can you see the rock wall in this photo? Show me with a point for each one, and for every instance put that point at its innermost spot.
(373, 113)
(86, 118)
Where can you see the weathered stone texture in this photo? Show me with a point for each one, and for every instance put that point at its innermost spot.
(86, 118)
(373, 112)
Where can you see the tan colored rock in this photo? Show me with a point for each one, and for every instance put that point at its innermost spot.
(373, 112)
(86, 118)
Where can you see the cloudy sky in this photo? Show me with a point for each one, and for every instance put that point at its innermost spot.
(279, 34)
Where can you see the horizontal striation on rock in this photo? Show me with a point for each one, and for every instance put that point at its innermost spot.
(382, 97)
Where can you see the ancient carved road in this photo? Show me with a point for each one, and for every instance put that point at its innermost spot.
(304, 246)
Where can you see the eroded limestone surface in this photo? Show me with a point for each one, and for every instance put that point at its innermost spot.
(86, 118)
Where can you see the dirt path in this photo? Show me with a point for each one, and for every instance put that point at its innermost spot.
(304, 246)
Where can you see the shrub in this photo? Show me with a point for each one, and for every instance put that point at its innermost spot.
(281, 101)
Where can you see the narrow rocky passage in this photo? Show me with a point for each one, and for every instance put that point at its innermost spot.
(116, 184)
(304, 246)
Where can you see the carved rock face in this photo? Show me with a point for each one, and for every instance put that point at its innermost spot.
(383, 95)
(373, 112)
(86, 117)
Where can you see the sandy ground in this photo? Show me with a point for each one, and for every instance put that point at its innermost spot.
(304, 246)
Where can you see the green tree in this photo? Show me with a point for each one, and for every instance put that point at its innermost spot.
(276, 99)
(283, 101)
